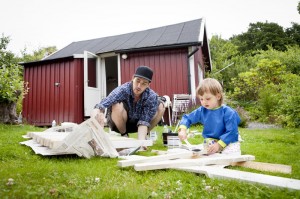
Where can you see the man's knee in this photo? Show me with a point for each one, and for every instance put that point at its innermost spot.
(118, 117)
(159, 113)
(161, 109)
(118, 107)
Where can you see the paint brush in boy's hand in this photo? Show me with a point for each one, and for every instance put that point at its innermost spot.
(188, 144)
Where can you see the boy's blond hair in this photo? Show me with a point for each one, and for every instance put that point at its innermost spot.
(212, 86)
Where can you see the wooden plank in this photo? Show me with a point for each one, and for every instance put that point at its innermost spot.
(89, 139)
(130, 162)
(49, 139)
(159, 152)
(131, 143)
(42, 150)
(223, 173)
(262, 166)
(132, 157)
(222, 159)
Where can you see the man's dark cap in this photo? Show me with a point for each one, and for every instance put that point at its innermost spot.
(144, 72)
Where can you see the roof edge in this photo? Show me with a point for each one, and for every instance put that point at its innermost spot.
(159, 47)
(202, 29)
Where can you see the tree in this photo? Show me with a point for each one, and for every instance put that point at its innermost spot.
(293, 33)
(261, 35)
(37, 54)
(7, 59)
(11, 85)
(221, 52)
(227, 61)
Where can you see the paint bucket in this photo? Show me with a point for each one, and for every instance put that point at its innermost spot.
(153, 136)
(165, 137)
(173, 142)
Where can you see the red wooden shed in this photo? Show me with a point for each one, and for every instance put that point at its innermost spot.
(66, 85)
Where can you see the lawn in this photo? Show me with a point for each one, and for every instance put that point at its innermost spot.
(69, 176)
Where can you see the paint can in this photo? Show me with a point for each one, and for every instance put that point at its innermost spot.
(153, 136)
(173, 142)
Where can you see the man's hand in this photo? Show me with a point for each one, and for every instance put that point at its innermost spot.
(99, 116)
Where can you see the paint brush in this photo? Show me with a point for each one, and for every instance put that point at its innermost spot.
(177, 126)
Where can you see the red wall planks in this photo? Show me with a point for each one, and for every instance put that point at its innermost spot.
(170, 70)
(56, 92)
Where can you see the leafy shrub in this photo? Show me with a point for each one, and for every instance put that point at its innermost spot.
(289, 101)
(267, 103)
(290, 58)
(274, 91)
(247, 84)
(11, 85)
(281, 103)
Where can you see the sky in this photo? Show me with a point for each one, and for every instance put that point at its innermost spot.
(33, 24)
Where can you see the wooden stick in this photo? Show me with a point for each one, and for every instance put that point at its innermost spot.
(184, 154)
(262, 166)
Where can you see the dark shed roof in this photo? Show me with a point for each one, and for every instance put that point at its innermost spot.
(181, 34)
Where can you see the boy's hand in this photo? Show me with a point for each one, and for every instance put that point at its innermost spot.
(182, 134)
(214, 148)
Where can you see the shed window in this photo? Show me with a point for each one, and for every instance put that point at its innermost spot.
(92, 73)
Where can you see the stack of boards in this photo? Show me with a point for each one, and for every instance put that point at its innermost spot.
(87, 139)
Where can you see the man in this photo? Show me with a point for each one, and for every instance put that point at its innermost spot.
(132, 107)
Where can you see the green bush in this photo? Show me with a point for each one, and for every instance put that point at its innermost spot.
(280, 103)
(274, 91)
(11, 85)
(247, 84)
(289, 101)
(268, 103)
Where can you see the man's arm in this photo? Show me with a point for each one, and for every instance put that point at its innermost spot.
(142, 132)
(115, 96)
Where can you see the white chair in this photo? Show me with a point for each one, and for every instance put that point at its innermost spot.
(181, 104)
(167, 105)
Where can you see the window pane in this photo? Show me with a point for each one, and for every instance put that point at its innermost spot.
(92, 72)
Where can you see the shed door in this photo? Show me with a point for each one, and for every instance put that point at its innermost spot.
(93, 81)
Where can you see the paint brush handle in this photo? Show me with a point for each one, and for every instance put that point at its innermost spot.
(187, 143)
(177, 126)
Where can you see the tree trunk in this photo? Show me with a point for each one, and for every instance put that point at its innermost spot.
(8, 114)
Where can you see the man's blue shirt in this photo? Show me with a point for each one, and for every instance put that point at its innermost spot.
(143, 110)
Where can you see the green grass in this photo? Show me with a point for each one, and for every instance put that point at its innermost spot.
(70, 176)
